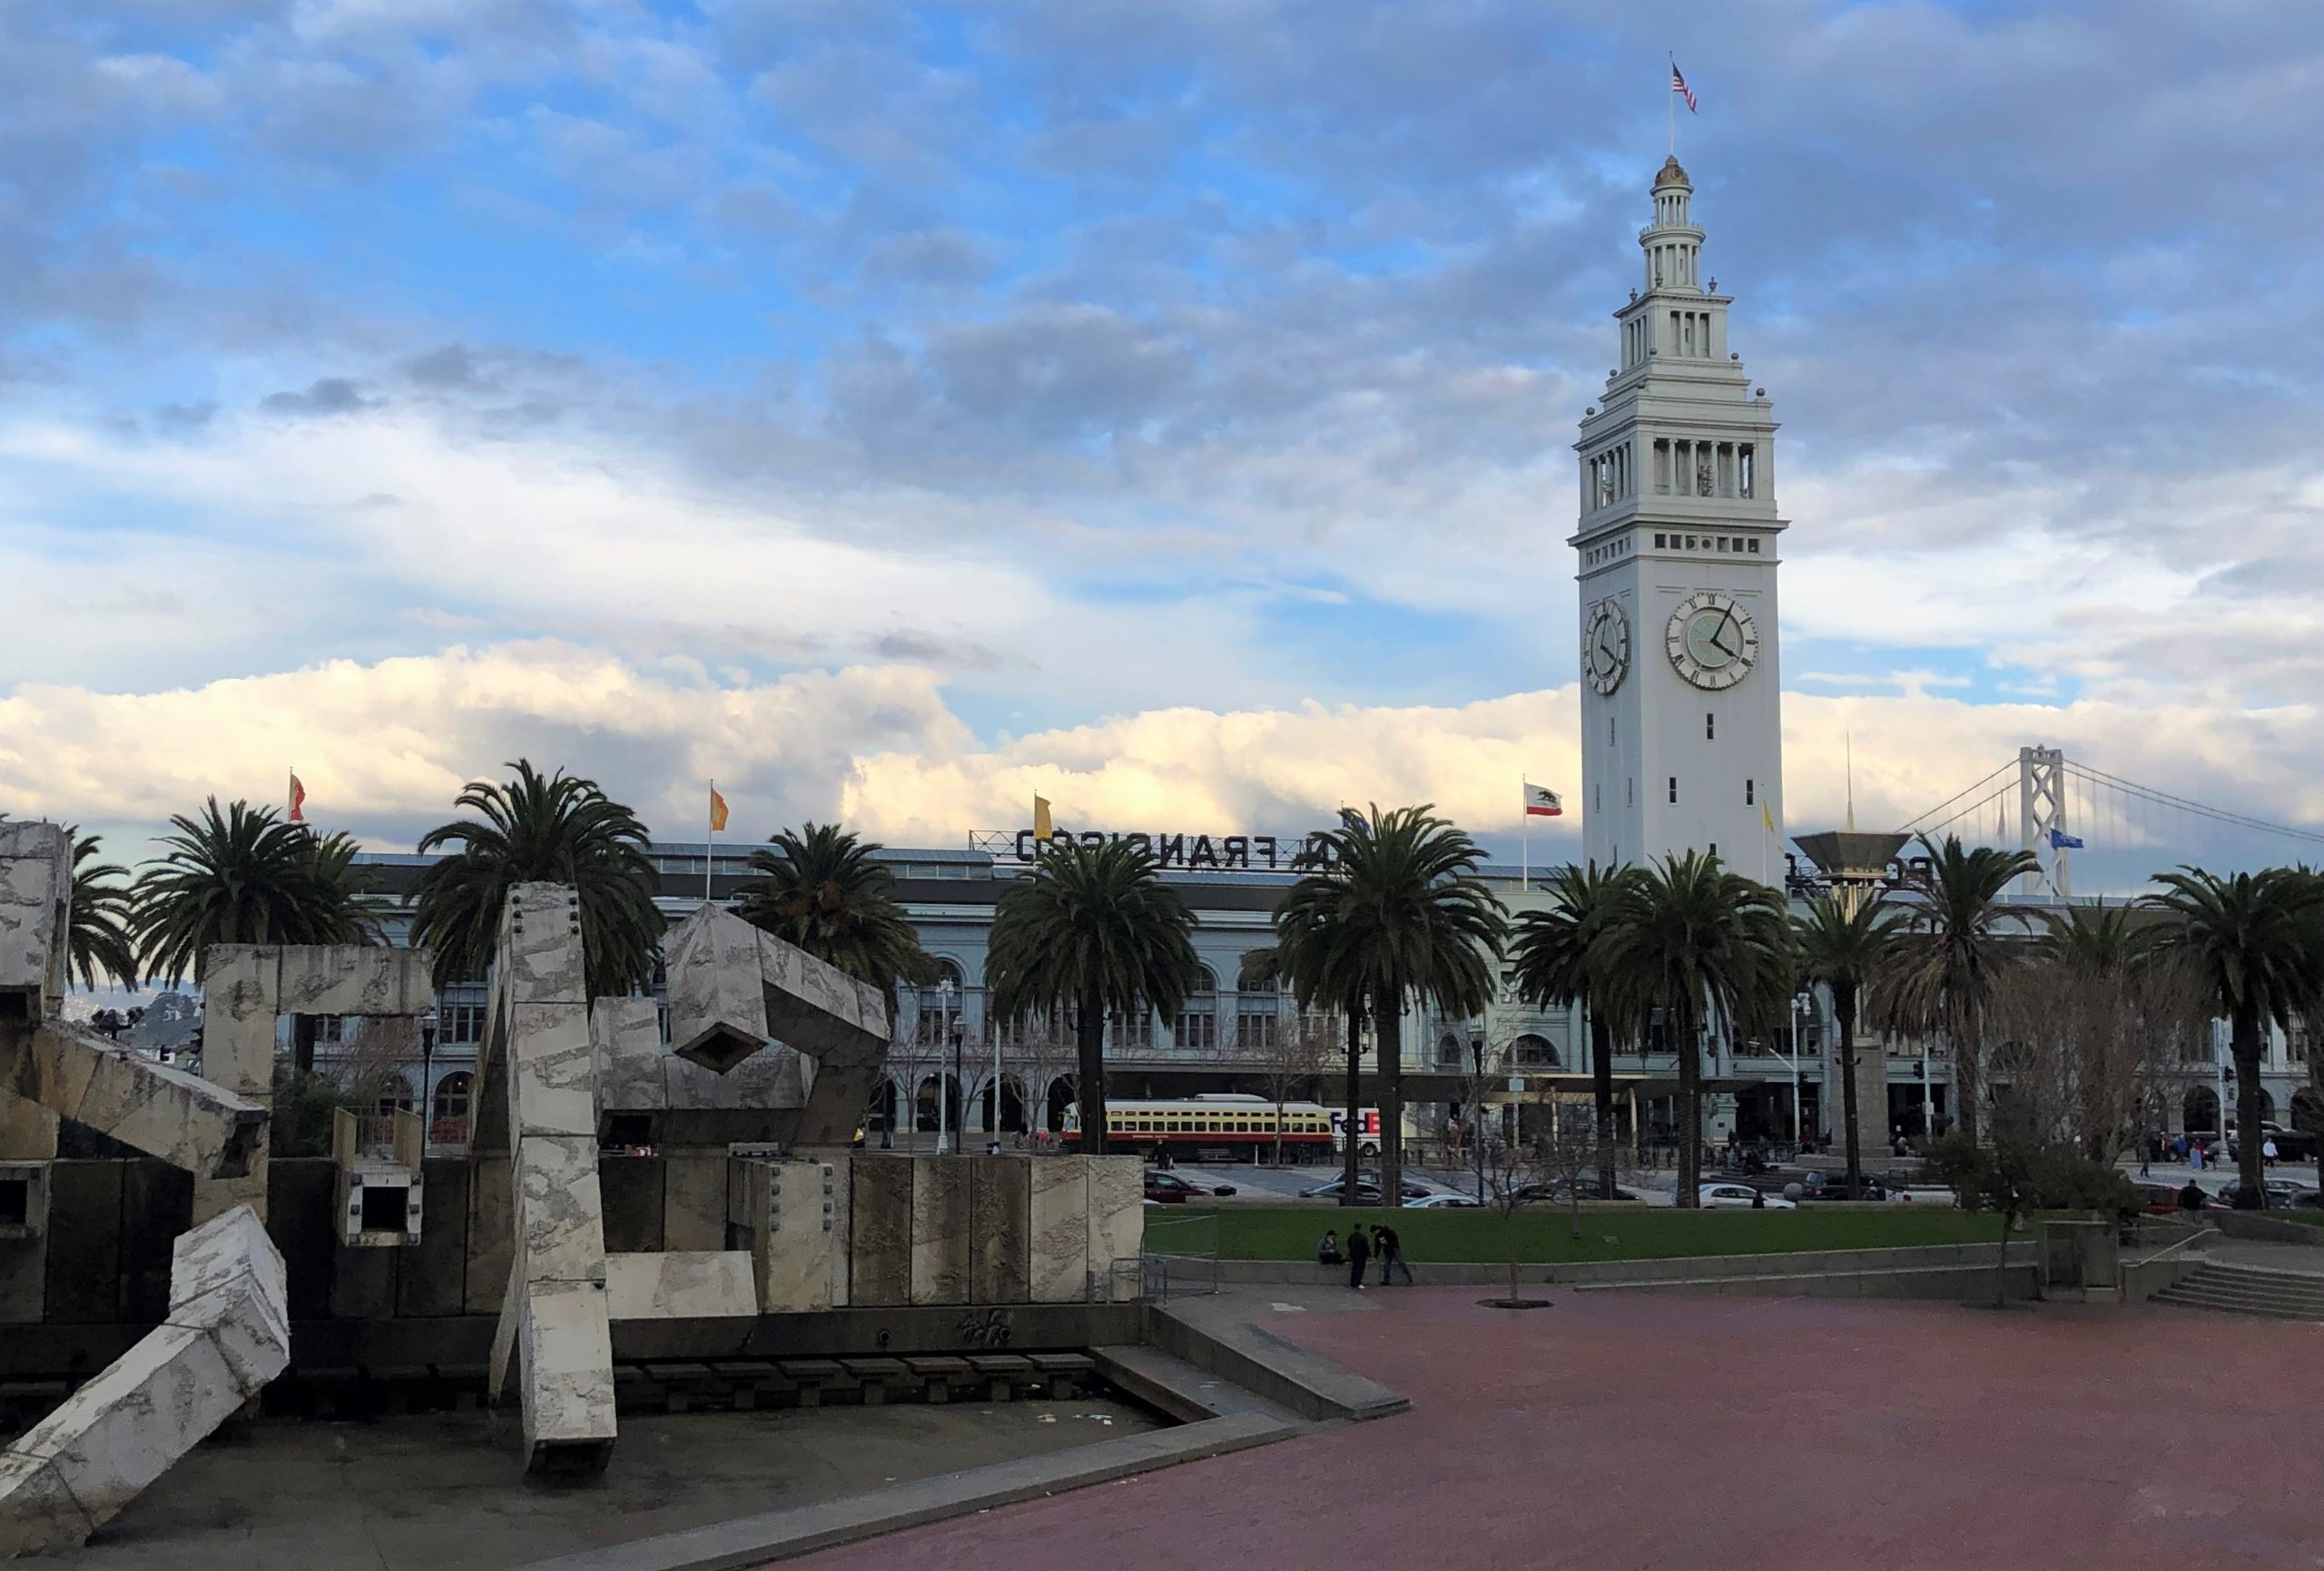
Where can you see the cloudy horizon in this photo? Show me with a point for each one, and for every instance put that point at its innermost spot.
(893, 411)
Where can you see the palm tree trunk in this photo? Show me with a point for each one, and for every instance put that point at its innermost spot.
(1391, 1077)
(1968, 1066)
(1601, 1090)
(1089, 1048)
(2250, 1166)
(1844, 1009)
(1348, 1160)
(1690, 1055)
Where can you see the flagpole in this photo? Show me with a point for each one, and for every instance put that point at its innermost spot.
(1524, 836)
(1670, 104)
(710, 847)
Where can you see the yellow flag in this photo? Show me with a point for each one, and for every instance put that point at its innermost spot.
(717, 811)
(1042, 828)
(1766, 817)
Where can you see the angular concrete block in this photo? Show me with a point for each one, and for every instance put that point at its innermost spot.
(541, 946)
(796, 1214)
(626, 1044)
(27, 1130)
(551, 1065)
(227, 1335)
(1117, 1227)
(560, 1216)
(1059, 1218)
(491, 1233)
(240, 992)
(880, 1239)
(36, 890)
(564, 1349)
(694, 1201)
(690, 1284)
(942, 1190)
(718, 1010)
(1000, 1230)
(367, 981)
(181, 1118)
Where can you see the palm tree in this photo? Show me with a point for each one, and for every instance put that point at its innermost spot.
(244, 876)
(1704, 947)
(555, 829)
(241, 876)
(99, 940)
(1553, 965)
(1095, 930)
(1844, 945)
(1393, 905)
(823, 891)
(1949, 956)
(1306, 956)
(2098, 940)
(2252, 938)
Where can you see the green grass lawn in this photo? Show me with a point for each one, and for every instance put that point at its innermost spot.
(1289, 1232)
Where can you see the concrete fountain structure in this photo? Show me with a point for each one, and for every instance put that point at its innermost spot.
(541, 1258)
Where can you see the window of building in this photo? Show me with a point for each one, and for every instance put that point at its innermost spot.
(460, 1021)
(1755, 546)
(1714, 848)
(1196, 1027)
(1674, 788)
(1258, 1017)
(1710, 728)
(1747, 791)
(1746, 470)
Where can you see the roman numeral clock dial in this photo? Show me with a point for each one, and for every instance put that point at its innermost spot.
(1711, 641)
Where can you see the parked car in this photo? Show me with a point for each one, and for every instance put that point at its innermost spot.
(2283, 1193)
(1440, 1202)
(1739, 1197)
(1367, 1189)
(2292, 1144)
(1822, 1184)
(1172, 1190)
(1555, 1190)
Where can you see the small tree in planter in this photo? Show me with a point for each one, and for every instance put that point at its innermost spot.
(1514, 1177)
(2025, 1166)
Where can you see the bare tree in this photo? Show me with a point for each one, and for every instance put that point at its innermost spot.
(1512, 1176)
(1568, 1149)
(1300, 1051)
(2101, 1049)
(1040, 1051)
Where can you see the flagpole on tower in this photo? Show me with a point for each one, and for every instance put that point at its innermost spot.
(1671, 105)
(710, 846)
(1524, 835)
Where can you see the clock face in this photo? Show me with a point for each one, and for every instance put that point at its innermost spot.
(1606, 645)
(1712, 641)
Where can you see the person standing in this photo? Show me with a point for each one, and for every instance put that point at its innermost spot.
(1359, 1254)
(1390, 1250)
(2267, 1151)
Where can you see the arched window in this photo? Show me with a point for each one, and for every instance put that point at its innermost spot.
(940, 1005)
(2199, 1111)
(1533, 1051)
(452, 1096)
(1448, 1051)
(1196, 1029)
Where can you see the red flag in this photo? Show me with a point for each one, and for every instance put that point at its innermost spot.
(298, 799)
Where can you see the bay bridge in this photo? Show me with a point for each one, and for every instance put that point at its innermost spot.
(2112, 833)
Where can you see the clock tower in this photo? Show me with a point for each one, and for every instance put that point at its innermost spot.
(1681, 716)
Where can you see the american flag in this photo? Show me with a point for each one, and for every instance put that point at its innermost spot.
(1678, 86)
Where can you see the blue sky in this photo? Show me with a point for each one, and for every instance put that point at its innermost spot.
(892, 410)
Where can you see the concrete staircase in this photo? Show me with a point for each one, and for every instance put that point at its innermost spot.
(2252, 1289)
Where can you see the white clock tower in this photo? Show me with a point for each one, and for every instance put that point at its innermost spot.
(1681, 717)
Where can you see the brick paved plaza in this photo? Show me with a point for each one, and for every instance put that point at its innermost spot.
(1617, 1431)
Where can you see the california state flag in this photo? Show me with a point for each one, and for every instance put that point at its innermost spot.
(1541, 801)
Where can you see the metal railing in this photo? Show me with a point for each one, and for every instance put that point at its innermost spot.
(1181, 1255)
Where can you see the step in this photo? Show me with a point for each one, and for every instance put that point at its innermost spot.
(2215, 1293)
(2296, 1293)
(2262, 1273)
(2194, 1292)
(2241, 1309)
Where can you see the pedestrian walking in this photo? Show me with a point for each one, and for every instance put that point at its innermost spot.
(1359, 1255)
(2267, 1151)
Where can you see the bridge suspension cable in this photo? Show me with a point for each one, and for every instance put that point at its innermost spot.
(2152, 795)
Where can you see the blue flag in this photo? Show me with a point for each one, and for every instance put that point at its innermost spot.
(2061, 842)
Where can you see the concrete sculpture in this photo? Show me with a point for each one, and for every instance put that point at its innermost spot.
(227, 1334)
(555, 1324)
(733, 988)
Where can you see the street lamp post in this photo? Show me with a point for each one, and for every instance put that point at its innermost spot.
(961, 1119)
(1801, 1003)
(943, 1087)
(1477, 1112)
